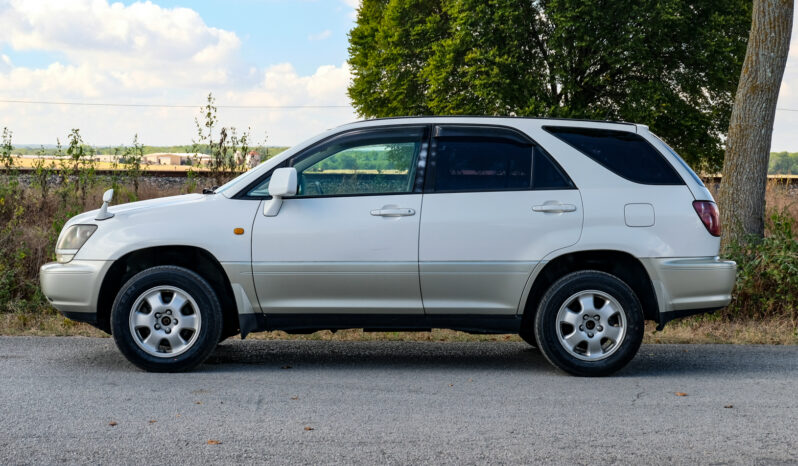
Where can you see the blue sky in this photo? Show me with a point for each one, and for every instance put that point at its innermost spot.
(277, 31)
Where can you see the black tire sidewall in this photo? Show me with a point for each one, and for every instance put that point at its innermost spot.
(546, 323)
(188, 281)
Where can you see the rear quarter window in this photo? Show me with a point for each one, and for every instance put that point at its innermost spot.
(626, 154)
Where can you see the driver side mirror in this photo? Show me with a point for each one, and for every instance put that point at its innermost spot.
(283, 183)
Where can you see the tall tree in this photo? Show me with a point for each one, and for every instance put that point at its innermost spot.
(672, 64)
(745, 168)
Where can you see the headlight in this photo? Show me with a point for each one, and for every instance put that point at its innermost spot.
(72, 240)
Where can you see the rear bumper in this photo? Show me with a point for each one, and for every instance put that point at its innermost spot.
(73, 288)
(690, 285)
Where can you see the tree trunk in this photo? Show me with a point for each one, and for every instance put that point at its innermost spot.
(742, 191)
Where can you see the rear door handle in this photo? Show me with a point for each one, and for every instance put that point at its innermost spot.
(394, 212)
(554, 208)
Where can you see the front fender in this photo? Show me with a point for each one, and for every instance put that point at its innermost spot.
(206, 222)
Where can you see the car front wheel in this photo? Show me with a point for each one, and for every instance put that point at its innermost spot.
(589, 323)
(166, 319)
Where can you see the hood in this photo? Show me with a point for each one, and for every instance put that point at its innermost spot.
(122, 210)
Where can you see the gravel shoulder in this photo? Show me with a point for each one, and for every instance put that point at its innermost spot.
(76, 400)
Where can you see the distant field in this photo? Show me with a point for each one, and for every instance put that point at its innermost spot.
(25, 163)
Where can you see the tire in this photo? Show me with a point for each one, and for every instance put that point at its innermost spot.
(589, 324)
(156, 336)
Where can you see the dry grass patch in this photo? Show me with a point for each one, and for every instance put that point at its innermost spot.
(46, 325)
(774, 331)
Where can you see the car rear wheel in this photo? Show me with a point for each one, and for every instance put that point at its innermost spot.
(166, 319)
(589, 323)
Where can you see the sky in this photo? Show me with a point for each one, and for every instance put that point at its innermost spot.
(269, 53)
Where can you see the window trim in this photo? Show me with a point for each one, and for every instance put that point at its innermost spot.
(551, 129)
(517, 137)
(289, 162)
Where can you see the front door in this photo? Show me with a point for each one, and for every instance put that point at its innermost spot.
(348, 241)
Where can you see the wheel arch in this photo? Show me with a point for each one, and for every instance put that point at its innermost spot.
(618, 263)
(193, 258)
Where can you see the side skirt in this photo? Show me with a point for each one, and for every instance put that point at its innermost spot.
(309, 323)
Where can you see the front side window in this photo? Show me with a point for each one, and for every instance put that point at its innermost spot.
(366, 162)
(480, 162)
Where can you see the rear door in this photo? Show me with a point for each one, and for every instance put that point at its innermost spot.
(495, 203)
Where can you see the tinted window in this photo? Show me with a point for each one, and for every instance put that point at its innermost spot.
(625, 154)
(463, 165)
(370, 162)
(493, 164)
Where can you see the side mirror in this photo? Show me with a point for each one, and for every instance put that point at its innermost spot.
(103, 214)
(283, 183)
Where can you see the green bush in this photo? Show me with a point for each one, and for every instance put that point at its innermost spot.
(767, 272)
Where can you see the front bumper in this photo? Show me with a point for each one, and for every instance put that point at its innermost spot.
(690, 285)
(73, 288)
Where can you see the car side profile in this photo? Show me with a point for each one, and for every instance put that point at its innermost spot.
(569, 233)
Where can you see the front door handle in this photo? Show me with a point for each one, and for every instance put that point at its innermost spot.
(393, 212)
(554, 208)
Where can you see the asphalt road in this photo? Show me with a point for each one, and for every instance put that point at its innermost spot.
(76, 400)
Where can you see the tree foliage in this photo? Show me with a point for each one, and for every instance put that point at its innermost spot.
(671, 64)
(783, 163)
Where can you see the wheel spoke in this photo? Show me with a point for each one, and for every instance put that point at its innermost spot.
(594, 347)
(188, 322)
(586, 302)
(574, 339)
(613, 333)
(606, 311)
(142, 320)
(176, 342)
(177, 303)
(155, 300)
(571, 318)
(152, 341)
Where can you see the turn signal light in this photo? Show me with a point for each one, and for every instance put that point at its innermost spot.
(709, 214)
(238, 231)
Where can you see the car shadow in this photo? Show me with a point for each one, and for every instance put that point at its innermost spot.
(651, 361)
(337, 355)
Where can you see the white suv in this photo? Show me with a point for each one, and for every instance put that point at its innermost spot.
(569, 233)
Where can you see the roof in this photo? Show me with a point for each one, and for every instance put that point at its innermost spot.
(487, 117)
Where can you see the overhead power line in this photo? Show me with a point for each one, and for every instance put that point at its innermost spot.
(264, 107)
(110, 104)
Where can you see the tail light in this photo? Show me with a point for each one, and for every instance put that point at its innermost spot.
(708, 213)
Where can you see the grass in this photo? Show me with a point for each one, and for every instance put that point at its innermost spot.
(698, 330)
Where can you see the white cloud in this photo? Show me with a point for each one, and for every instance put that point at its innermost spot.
(84, 29)
(5, 63)
(325, 34)
(354, 5)
(143, 53)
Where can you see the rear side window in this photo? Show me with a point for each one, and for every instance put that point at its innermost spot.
(480, 162)
(626, 154)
